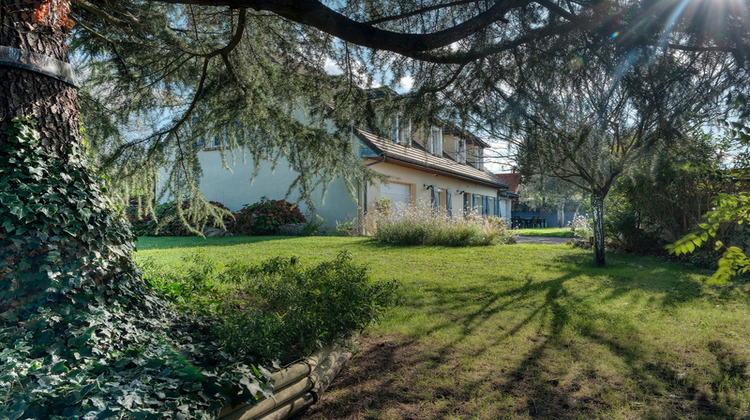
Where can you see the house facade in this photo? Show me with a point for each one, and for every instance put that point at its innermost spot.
(438, 165)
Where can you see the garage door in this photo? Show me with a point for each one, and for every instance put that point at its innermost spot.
(398, 193)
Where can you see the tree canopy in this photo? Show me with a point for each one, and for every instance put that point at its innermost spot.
(181, 70)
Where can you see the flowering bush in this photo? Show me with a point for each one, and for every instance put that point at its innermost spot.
(265, 217)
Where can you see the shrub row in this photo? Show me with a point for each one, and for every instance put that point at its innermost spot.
(279, 310)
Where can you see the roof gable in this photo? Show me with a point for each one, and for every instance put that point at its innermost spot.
(512, 180)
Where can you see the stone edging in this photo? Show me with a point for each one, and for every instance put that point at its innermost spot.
(296, 387)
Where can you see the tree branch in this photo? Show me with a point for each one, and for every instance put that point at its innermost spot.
(314, 13)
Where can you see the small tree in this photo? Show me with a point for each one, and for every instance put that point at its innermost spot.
(588, 124)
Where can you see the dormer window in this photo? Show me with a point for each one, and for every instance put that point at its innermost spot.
(479, 157)
(402, 130)
(460, 150)
(435, 141)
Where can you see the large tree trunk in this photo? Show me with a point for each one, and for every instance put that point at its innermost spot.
(597, 208)
(58, 231)
(53, 103)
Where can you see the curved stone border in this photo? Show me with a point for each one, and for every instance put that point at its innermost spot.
(296, 387)
(39, 63)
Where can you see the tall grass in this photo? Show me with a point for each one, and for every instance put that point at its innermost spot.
(422, 225)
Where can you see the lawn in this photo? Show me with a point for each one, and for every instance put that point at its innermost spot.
(520, 331)
(548, 232)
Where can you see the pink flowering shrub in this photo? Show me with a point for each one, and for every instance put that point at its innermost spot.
(265, 217)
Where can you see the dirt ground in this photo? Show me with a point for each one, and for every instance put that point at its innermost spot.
(374, 383)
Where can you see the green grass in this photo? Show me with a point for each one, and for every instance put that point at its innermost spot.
(520, 331)
(549, 232)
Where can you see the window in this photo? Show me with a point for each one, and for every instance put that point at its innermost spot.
(479, 157)
(477, 203)
(435, 141)
(460, 150)
(402, 130)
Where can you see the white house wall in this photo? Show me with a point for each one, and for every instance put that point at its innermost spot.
(235, 189)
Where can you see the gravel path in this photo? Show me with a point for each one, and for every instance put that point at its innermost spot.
(541, 240)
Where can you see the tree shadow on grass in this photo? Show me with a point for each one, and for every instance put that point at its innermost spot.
(572, 359)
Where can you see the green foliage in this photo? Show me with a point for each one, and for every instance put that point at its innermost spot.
(168, 220)
(265, 217)
(728, 209)
(240, 79)
(312, 228)
(80, 335)
(423, 226)
(664, 196)
(279, 309)
(345, 228)
(528, 316)
(545, 232)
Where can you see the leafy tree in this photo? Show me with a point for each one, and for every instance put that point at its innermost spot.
(664, 195)
(588, 124)
(729, 207)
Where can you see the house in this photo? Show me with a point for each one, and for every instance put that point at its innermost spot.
(432, 168)
(437, 164)
(512, 179)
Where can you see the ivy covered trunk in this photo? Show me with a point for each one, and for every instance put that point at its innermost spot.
(597, 208)
(81, 336)
(59, 230)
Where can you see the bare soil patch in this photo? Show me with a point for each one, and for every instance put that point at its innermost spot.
(376, 381)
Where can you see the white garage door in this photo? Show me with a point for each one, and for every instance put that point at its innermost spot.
(398, 193)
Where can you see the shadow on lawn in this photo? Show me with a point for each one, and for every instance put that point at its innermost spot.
(557, 370)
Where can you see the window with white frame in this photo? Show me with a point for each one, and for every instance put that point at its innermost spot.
(460, 150)
(402, 130)
(479, 157)
(435, 141)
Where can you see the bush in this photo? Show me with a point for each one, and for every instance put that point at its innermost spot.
(581, 227)
(167, 221)
(279, 309)
(346, 228)
(423, 226)
(265, 217)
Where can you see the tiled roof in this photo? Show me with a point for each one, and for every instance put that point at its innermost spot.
(420, 157)
(511, 179)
